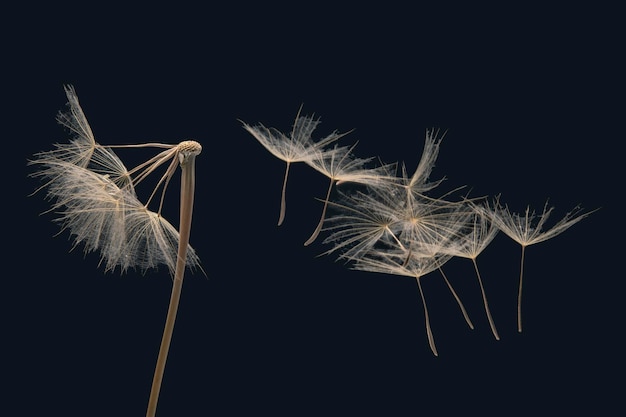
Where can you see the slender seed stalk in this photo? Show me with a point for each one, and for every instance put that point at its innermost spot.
(187, 164)
(283, 199)
(429, 333)
(519, 293)
(482, 290)
(318, 229)
(458, 300)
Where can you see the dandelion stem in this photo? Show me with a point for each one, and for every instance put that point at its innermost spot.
(482, 290)
(186, 207)
(283, 200)
(519, 292)
(318, 229)
(429, 333)
(458, 300)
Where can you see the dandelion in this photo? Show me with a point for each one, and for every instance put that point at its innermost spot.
(527, 229)
(94, 195)
(297, 147)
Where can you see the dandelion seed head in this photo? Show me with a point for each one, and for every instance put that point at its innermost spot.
(93, 195)
(189, 148)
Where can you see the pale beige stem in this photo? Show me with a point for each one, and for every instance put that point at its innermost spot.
(482, 290)
(318, 229)
(519, 293)
(186, 208)
(429, 333)
(458, 300)
(283, 199)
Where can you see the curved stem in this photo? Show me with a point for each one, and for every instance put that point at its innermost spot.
(318, 229)
(186, 208)
(458, 300)
(482, 290)
(283, 200)
(519, 293)
(429, 333)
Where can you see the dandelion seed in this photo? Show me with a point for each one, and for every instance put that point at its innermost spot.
(82, 144)
(378, 222)
(527, 230)
(418, 182)
(94, 195)
(341, 166)
(481, 231)
(394, 263)
(458, 299)
(361, 222)
(297, 147)
(110, 219)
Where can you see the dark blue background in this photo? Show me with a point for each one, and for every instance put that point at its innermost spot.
(533, 105)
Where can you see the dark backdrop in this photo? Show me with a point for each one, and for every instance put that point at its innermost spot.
(533, 103)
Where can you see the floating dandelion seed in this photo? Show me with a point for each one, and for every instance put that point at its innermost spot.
(337, 163)
(480, 232)
(527, 230)
(404, 264)
(94, 195)
(297, 147)
(418, 182)
(437, 250)
(384, 221)
(341, 166)
(360, 222)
